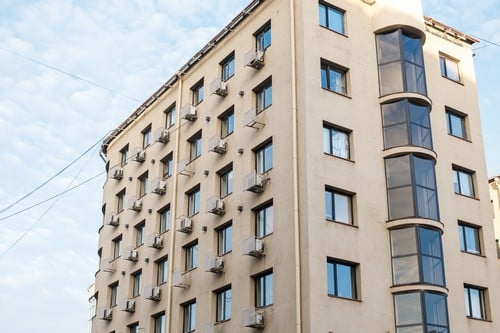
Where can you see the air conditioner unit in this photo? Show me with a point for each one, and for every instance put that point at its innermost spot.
(215, 206)
(188, 112)
(254, 182)
(116, 173)
(161, 135)
(183, 169)
(135, 204)
(108, 265)
(154, 240)
(252, 318)
(112, 219)
(218, 87)
(217, 145)
(129, 253)
(180, 280)
(253, 247)
(127, 304)
(138, 155)
(105, 314)
(185, 225)
(158, 186)
(152, 293)
(214, 264)
(254, 58)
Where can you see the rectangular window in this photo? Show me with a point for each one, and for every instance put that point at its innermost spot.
(225, 239)
(133, 328)
(475, 305)
(124, 155)
(455, 122)
(226, 181)
(139, 233)
(341, 277)
(331, 17)
(195, 146)
(159, 323)
(170, 115)
(449, 68)
(117, 247)
(227, 67)
(469, 238)
(197, 91)
(146, 136)
(194, 201)
(264, 95)
(463, 182)
(263, 290)
(165, 219)
(120, 201)
(224, 298)
(162, 271)
(338, 206)
(333, 77)
(263, 37)
(167, 166)
(137, 283)
(113, 294)
(264, 220)
(189, 317)
(191, 252)
(264, 158)
(143, 184)
(227, 122)
(335, 141)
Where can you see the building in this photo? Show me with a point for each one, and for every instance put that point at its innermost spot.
(494, 184)
(316, 167)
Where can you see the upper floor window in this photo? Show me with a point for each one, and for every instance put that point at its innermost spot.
(331, 17)
(475, 302)
(226, 181)
(162, 271)
(463, 181)
(113, 294)
(264, 95)
(406, 123)
(335, 141)
(333, 77)
(225, 239)
(224, 300)
(194, 201)
(191, 252)
(263, 220)
(227, 67)
(263, 37)
(195, 146)
(143, 184)
(167, 166)
(137, 283)
(120, 201)
(133, 328)
(449, 68)
(341, 277)
(400, 63)
(139, 233)
(124, 155)
(146, 136)
(264, 158)
(338, 206)
(197, 91)
(165, 219)
(159, 323)
(227, 122)
(263, 290)
(469, 238)
(455, 122)
(117, 247)
(189, 317)
(170, 115)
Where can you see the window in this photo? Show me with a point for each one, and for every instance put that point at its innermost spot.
(227, 67)
(475, 305)
(117, 247)
(191, 251)
(162, 271)
(335, 141)
(194, 201)
(195, 146)
(189, 317)
(197, 90)
(226, 181)
(422, 311)
(455, 122)
(263, 37)
(417, 256)
(333, 77)
(143, 184)
(170, 115)
(449, 68)
(120, 201)
(137, 283)
(331, 18)
(341, 277)
(165, 219)
(167, 166)
(264, 290)
(113, 294)
(462, 182)
(264, 95)
(264, 220)
(227, 122)
(139, 233)
(264, 157)
(225, 239)
(133, 328)
(411, 187)
(338, 206)
(406, 123)
(124, 155)
(469, 238)
(159, 323)
(224, 298)
(146, 136)
(400, 63)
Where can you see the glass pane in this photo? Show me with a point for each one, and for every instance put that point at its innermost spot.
(472, 240)
(268, 96)
(415, 79)
(467, 302)
(419, 114)
(391, 78)
(227, 304)
(335, 20)
(342, 207)
(452, 70)
(412, 50)
(192, 321)
(435, 309)
(411, 329)
(324, 79)
(408, 309)
(268, 158)
(394, 113)
(405, 270)
(466, 184)
(421, 136)
(388, 47)
(395, 135)
(269, 219)
(456, 186)
(269, 289)
(442, 65)
(424, 172)
(436, 329)
(400, 202)
(326, 141)
(330, 277)
(475, 303)
(322, 15)
(344, 281)
(430, 242)
(461, 237)
(427, 205)
(340, 144)
(337, 83)
(329, 205)
(432, 270)
(403, 241)
(398, 171)
(455, 125)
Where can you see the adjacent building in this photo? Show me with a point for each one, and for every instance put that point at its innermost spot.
(318, 166)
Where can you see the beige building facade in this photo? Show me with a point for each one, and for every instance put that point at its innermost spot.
(317, 167)
(494, 184)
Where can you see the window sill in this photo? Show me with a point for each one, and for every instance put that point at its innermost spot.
(258, 111)
(265, 236)
(344, 298)
(343, 223)
(334, 31)
(193, 215)
(219, 322)
(466, 196)
(225, 253)
(480, 319)
(226, 195)
(263, 306)
(337, 93)
(189, 270)
(459, 137)
(138, 246)
(452, 80)
(339, 157)
(474, 254)
(163, 232)
(191, 160)
(225, 136)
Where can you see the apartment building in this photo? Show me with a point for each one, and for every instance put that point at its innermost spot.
(318, 166)
(494, 184)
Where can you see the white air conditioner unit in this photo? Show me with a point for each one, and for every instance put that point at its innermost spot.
(135, 204)
(108, 265)
(215, 206)
(252, 318)
(127, 304)
(218, 87)
(116, 173)
(188, 112)
(154, 240)
(105, 314)
(158, 186)
(254, 58)
(254, 182)
(161, 135)
(182, 168)
(112, 219)
(185, 225)
(253, 247)
(214, 264)
(138, 155)
(152, 293)
(250, 119)
(217, 145)
(129, 253)
(180, 280)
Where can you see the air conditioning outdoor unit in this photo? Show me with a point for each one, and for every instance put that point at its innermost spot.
(108, 265)
(135, 204)
(105, 314)
(254, 182)
(185, 225)
(252, 318)
(158, 186)
(180, 280)
(254, 58)
(214, 264)
(152, 293)
(138, 155)
(215, 206)
(127, 304)
(217, 145)
(112, 219)
(116, 173)
(253, 247)
(182, 168)
(154, 240)
(188, 112)
(161, 135)
(218, 87)
(129, 253)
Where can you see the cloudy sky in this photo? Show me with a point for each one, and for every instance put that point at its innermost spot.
(70, 71)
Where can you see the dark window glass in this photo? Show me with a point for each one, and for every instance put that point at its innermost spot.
(469, 239)
(264, 96)
(334, 78)
(449, 68)
(331, 18)
(159, 323)
(227, 67)
(162, 271)
(189, 317)
(224, 299)
(335, 142)
(194, 201)
(227, 123)
(197, 91)
(195, 146)
(263, 37)
(462, 182)
(264, 221)
(475, 306)
(225, 239)
(338, 206)
(264, 290)
(264, 158)
(456, 124)
(191, 256)
(341, 279)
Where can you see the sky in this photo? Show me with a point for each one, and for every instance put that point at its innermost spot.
(71, 71)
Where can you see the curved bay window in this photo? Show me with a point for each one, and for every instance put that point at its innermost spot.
(411, 187)
(400, 63)
(406, 123)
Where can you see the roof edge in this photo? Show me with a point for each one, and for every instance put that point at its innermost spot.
(450, 31)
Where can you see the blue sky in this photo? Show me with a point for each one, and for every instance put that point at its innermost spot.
(48, 118)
